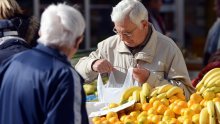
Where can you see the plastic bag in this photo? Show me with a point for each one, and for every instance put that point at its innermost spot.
(111, 93)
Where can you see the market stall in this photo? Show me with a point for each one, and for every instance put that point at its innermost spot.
(164, 104)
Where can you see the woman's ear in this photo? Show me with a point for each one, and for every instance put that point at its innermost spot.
(78, 41)
(39, 33)
(75, 46)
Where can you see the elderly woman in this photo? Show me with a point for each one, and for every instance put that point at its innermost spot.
(16, 30)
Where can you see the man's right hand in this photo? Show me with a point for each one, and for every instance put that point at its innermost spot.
(102, 66)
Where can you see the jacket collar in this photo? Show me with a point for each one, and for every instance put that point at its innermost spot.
(9, 38)
(148, 52)
(8, 42)
(52, 52)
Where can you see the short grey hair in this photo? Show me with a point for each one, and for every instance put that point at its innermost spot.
(60, 26)
(134, 9)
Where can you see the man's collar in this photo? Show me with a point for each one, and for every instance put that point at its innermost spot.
(122, 48)
(53, 52)
(143, 44)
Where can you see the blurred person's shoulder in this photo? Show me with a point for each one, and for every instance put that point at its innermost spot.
(215, 56)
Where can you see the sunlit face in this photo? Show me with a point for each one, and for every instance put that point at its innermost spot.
(131, 34)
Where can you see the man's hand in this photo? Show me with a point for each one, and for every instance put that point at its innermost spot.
(102, 66)
(140, 74)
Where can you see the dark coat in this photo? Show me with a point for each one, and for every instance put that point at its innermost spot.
(39, 86)
(11, 47)
(212, 42)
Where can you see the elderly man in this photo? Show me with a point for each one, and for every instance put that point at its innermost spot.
(39, 86)
(156, 58)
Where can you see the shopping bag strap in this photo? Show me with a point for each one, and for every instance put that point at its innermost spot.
(128, 79)
(100, 87)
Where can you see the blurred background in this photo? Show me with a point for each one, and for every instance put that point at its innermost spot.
(187, 22)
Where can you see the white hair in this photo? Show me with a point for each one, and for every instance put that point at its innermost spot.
(134, 9)
(61, 25)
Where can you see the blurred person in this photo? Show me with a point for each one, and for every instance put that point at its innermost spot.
(153, 7)
(215, 56)
(213, 38)
(17, 31)
(156, 58)
(213, 62)
(39, 86)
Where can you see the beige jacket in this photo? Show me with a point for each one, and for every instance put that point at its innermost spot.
(161, 56)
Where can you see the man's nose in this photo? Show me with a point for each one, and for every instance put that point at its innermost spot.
(123, 37)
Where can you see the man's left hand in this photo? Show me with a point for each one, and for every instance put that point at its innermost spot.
(140, 74)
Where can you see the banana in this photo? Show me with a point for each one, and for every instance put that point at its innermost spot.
(130, 98)
(213, 89)
(127, 93)
(154, 92)
(211, 111)
(209, 74)
(161, 96)
(199, 85)
(217, 108)
(204, 116)
(212, 82)
(146, 89)
(217, 83)
(202, 89)
(136, 95)
(211, 77)
(214, 76)
(174, 90)
(208, 95)
(142, 98)
(164, 88)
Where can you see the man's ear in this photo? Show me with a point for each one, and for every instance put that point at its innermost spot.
(144, 24)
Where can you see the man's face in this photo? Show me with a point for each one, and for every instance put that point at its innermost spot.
(131, 34)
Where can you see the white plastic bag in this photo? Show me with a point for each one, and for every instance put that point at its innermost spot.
(111, 93)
